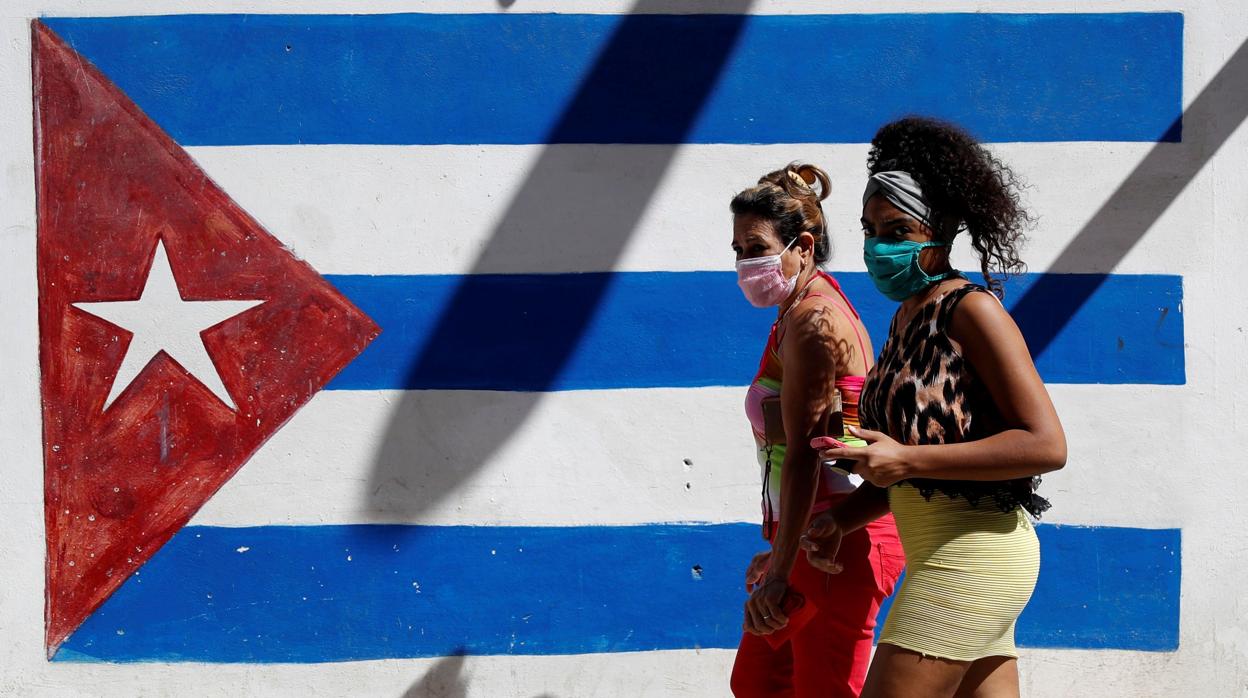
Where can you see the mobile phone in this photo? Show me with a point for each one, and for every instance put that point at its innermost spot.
(842, 465)
(799, 612)
(822, 442)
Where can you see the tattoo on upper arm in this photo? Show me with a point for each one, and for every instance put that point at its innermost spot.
(817, 332)
(843, 351)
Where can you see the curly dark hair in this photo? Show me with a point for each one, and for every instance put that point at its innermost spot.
(789, 199)
(966, 186)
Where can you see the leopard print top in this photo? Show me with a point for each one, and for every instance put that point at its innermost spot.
(921, 391)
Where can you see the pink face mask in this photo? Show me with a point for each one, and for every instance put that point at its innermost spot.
(762, 279)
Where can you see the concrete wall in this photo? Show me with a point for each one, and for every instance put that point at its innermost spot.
(562, 509)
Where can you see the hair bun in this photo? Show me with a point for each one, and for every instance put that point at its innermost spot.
(799, 179)
(806, 176)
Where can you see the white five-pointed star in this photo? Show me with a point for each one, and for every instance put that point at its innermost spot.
(161, 319)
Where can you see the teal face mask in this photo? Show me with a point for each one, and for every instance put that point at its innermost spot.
(894, 266)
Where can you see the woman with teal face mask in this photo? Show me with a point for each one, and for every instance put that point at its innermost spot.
(958, 424)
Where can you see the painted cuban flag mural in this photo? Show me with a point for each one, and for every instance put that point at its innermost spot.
(411, 335)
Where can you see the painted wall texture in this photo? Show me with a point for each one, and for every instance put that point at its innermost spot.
(399, 353)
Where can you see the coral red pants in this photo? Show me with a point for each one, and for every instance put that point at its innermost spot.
(829, 656)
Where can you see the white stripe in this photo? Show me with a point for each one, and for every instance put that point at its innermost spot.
(618, 457)
(358, 209)
(78, 8)
(682, 673)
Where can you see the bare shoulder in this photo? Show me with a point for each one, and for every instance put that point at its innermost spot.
(981, 318)
(814, 320)
(819, 334)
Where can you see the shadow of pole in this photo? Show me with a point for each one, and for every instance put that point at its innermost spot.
(423, 454)
(1137, 204)
(443, 680)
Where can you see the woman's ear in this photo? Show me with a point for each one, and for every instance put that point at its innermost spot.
(807, 242)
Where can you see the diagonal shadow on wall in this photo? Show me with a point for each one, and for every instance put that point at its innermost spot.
(424, 454)
(445, 679)
(1137, 204)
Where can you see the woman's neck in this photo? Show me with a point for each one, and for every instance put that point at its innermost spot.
(805, 279)
(942, 267)
(909, 305)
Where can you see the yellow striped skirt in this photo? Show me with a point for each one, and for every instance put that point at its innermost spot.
(969, 573)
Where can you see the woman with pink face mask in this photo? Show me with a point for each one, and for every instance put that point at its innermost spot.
(812, 369)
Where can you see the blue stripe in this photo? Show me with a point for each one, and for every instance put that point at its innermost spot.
(526, 78)
(689, 329)
(1138, 610)
(1141, 613)
(335, 593)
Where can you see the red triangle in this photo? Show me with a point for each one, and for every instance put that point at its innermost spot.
(119, 483)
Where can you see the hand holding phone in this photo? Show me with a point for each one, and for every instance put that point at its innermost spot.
(841, 464)
(800, 612)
